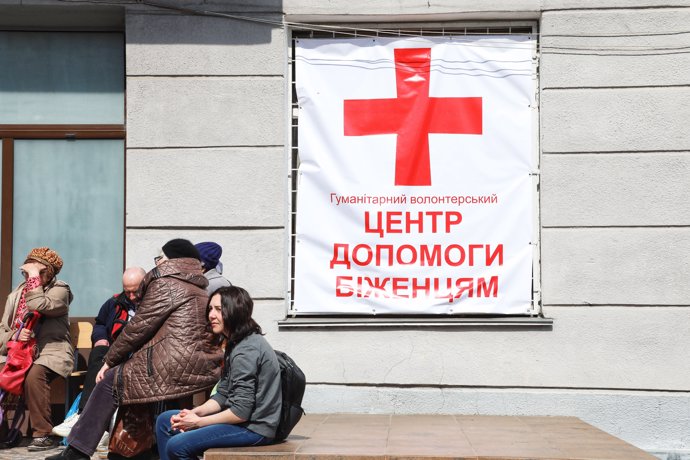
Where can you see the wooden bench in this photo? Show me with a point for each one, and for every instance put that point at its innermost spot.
(80, 332)
(438, 437)
(64, 391)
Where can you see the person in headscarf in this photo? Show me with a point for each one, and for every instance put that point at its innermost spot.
(210, 253)
(41, 292)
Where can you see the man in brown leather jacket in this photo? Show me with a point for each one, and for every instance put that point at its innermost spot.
(165, 351)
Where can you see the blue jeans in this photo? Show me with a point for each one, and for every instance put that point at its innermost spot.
(190, 445)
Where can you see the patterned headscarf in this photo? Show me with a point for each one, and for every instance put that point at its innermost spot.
(47, 257)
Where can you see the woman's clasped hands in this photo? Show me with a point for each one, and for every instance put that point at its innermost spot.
(185, 420)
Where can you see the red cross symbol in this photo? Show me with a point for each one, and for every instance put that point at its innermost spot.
(413, 115)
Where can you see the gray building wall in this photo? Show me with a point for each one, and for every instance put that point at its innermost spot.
(207, 119)
(207, 147)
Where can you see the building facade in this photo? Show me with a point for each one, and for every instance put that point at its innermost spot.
(198, 122)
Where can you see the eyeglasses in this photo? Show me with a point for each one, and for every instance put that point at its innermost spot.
(157, 259)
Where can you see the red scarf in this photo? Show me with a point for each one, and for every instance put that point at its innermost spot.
(31, 283)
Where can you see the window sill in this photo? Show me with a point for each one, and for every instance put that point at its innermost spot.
(371, 322)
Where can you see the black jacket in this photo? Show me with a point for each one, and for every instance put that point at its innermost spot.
(103, 327)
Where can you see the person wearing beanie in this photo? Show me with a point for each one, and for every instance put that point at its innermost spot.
(210, 253)
(165, 352)
(179, 249)
(41, 292)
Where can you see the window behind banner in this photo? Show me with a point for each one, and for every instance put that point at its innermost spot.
(404, 199)
(63, 168)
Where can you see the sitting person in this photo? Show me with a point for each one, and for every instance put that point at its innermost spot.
(164, 353)
(42, 292)
(210, 253)
(246, 409)
(111, 319)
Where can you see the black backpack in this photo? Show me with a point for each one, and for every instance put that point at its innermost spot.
(292, 384)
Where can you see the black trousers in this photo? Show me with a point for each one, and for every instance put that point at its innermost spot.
(95, 363)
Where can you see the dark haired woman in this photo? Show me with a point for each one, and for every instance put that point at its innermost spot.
(246, 408)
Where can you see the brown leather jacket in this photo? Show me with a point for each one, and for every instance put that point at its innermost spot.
(171, 350)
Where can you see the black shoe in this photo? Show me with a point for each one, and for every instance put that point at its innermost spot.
(43, 443)
(70, 453)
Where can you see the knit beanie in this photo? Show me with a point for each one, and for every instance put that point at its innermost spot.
(47, 257)
(210, 254)
(179, 248)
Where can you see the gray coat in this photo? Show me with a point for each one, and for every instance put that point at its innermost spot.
(250, 385)
(215, 281)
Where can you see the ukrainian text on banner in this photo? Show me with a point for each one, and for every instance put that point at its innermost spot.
(415, 190)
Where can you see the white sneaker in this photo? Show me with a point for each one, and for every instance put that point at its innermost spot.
(65, 427)
(102, 448)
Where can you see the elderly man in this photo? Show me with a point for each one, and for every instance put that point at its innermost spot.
(112, 317)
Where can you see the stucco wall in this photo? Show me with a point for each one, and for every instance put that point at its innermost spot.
(206, 128)
(206, 159)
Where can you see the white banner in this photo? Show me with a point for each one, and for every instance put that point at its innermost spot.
(415, 192)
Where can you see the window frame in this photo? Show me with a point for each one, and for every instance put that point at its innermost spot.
(9, 134)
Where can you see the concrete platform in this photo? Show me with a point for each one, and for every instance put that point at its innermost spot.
(411, 437)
